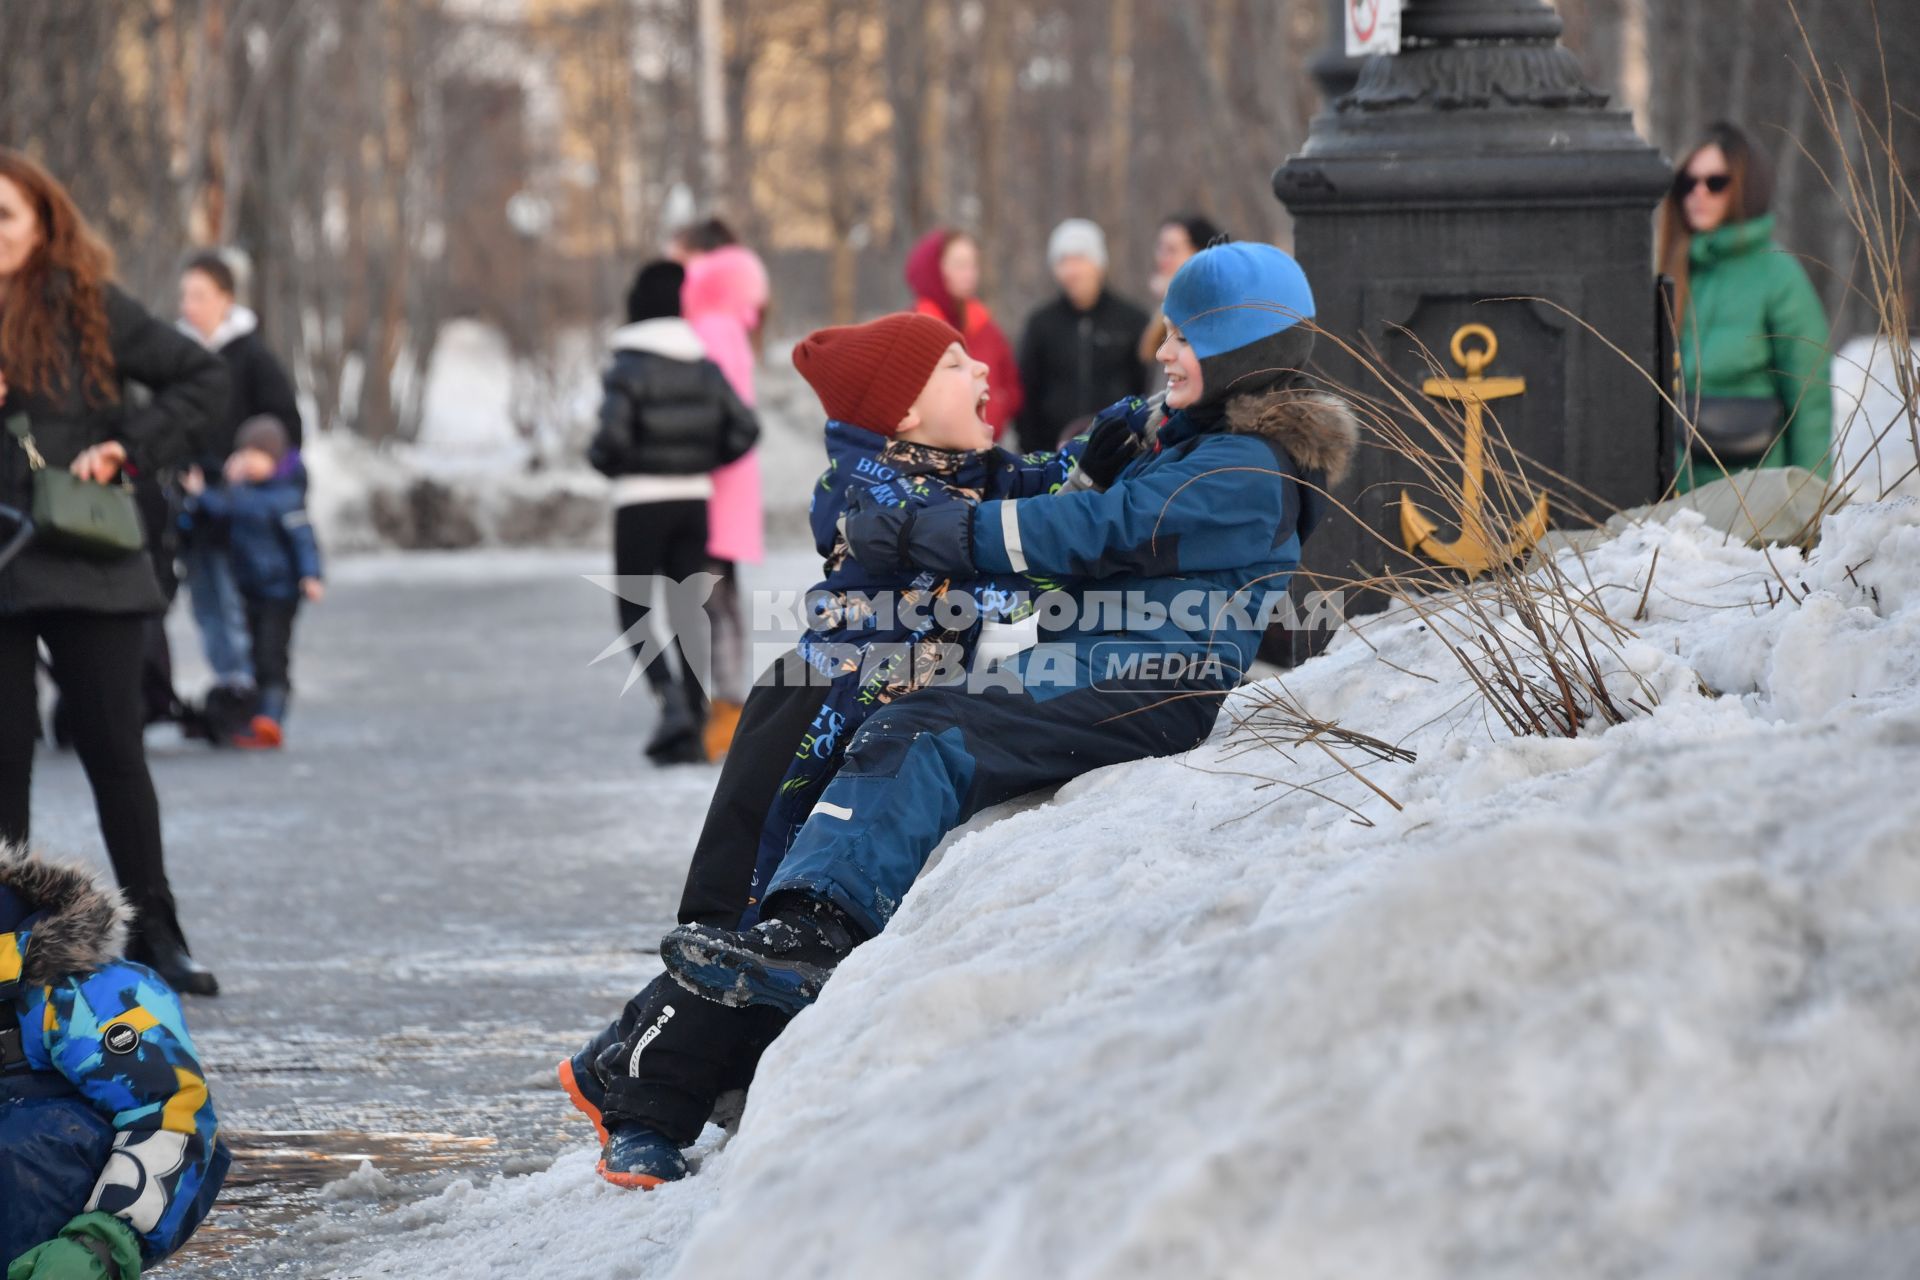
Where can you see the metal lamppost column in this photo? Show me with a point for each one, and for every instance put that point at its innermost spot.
(1472, 171)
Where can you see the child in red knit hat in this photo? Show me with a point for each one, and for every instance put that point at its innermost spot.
(906, 427)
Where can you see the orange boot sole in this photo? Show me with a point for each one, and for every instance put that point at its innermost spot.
(631, 1181)
(585, 1108)
(262, 735)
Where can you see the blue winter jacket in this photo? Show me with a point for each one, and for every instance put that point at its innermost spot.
(1179, 564)
(272, 542)
(105, 1107)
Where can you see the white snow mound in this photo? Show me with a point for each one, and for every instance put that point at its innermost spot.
(1642, 1003)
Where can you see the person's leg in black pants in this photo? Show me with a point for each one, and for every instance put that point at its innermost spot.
(670, 1055)
(98, 657)
(270, 632)
(19, 722)
(777, 713)
(652, 539)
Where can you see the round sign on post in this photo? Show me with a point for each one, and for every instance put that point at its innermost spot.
(1373, 26)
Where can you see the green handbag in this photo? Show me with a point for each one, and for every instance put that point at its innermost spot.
(82, 516)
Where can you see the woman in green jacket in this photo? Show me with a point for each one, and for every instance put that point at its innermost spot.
(1753, 336)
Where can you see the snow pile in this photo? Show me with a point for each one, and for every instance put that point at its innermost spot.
(1645, 1002)
(1875, 449)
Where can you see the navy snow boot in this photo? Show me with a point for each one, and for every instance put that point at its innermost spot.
(780, 963)
(636, 1156)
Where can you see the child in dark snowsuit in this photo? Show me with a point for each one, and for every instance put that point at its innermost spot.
(109, 1146)
(276, 559)
(905, 430)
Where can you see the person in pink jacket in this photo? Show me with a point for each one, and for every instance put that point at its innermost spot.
(725, 298)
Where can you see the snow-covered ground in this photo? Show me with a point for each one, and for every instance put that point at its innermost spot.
(1641, 1003)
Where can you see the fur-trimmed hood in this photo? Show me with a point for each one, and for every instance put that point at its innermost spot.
(84, 924)
(1318, 430)
(667, 336)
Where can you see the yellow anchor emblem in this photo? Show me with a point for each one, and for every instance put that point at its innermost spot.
(1473, 551)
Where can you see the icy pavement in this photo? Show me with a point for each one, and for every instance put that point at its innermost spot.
(460, 866)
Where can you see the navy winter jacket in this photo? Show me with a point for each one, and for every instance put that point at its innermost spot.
(272, 541)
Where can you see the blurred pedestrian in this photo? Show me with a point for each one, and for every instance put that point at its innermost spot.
(1754, 363)
(668, 420)
(260, 511)
(1080, 352)
(210, 313)
(1179, 238)
(725, 301)
(70, 341)
(943, 270)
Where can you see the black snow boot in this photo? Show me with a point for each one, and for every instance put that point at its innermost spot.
(780, 963)
(157, 944)
(676, 738)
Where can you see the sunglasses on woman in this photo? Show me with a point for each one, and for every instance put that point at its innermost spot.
(1716, 182)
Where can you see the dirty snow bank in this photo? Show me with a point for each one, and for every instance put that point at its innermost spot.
(1642, 1003)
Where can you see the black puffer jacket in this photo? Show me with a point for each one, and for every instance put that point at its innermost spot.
(188, 387)
(257, 384)
(1075, 363)
(665, 409)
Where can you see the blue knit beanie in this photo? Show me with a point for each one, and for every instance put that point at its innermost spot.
(1208, 298)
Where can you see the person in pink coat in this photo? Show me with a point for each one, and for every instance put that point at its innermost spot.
(724, 298)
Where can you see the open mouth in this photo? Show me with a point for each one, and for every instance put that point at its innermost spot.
(980, 405)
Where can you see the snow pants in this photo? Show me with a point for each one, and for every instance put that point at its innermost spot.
(922, 766)
(671, 1054)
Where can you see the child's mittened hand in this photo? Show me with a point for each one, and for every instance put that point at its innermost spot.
(94, 1246)
(890, 541)
(1110, 447)
(313, 589)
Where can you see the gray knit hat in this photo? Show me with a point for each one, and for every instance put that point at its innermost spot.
(1077, 237)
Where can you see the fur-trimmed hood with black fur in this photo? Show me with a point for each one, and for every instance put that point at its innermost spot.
(81, 923)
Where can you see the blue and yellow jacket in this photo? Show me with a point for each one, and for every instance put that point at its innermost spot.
(103, 1101)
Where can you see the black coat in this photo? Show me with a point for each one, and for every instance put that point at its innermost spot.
(1075, 363)
(661, 416)
(258, 384)
(188, 387)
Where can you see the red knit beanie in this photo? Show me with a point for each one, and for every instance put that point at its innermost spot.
(869, 375)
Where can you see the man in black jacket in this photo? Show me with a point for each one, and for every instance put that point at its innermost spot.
(211, 315)
(1080, 352)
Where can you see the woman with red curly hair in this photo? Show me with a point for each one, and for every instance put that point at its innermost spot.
(70, 341)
